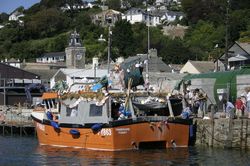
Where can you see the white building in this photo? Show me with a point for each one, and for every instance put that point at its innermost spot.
(137, 15)
(77, 75)
(197, 67)
(15, 16)
(52, 57)
(170, 16)
(12, 62)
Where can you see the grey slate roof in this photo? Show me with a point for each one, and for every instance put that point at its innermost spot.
(155, 63)
(237, 47)
(7, 71)
(174, 13)
(245, 46)
(135, 11)
(203, 66)
(53, 54)
(44, 74)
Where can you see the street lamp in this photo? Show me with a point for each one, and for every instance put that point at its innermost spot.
(147, 65)
(226, 43)
(101, 39)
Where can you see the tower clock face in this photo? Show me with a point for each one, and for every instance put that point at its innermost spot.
(78, 56)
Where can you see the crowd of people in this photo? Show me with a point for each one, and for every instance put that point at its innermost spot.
(196, 100)
(241, 107)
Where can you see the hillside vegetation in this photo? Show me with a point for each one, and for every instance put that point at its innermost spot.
(46, 28)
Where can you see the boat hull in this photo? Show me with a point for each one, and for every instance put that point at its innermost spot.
(115, 138)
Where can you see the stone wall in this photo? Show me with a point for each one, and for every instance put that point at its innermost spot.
(223, 132)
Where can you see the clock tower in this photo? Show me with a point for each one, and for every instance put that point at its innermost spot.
(75, 52)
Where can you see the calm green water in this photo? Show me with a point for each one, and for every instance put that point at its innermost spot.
(23, 151)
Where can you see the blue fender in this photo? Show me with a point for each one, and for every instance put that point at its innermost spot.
(74, 132)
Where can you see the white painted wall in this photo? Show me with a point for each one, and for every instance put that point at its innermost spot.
(189, 68)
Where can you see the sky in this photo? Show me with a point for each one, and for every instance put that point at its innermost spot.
(8, 6)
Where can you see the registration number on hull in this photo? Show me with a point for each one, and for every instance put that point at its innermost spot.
(105, 132)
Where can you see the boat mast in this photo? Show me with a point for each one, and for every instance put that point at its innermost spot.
(109, 45)
(147, 65)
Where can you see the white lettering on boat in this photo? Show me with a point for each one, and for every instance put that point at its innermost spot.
(40, 126)
(122, 130)
(105, 132)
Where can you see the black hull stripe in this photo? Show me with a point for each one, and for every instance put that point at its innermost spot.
(114, 123)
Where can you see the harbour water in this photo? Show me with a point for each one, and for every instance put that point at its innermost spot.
(22, 151)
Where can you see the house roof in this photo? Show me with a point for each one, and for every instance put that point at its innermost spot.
(176, 67)
(44, 74)
(174, 13)
(7, 71)
(12, 60)
(83, 73)
(53, 54)
(134, 11)
(137, 11)
(245, 46)
(203, 66)
(89, 73)
(155, 63)
(109, 12)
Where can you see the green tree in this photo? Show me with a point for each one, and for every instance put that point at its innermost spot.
(140, 33)
(204, 10)
(4, 17)
(114, 4)
(245, 35)
(175, 52)
(122, 38)
(202, 38)
(239, 21)
(45, 23)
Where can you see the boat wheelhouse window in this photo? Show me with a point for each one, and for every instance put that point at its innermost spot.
(95, 110)
(72, 112)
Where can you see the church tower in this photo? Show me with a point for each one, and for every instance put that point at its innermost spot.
(75, 52)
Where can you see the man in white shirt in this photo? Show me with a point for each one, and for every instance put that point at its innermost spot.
(228, 108)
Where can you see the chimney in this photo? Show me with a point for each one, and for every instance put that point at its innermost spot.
(95, 63)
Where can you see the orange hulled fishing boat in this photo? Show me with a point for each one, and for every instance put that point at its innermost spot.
(107, 121)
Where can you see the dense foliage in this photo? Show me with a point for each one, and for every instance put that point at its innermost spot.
(46, 28)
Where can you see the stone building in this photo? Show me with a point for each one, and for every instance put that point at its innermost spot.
(75, 52)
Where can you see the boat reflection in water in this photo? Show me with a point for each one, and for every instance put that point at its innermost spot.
(72, 156)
